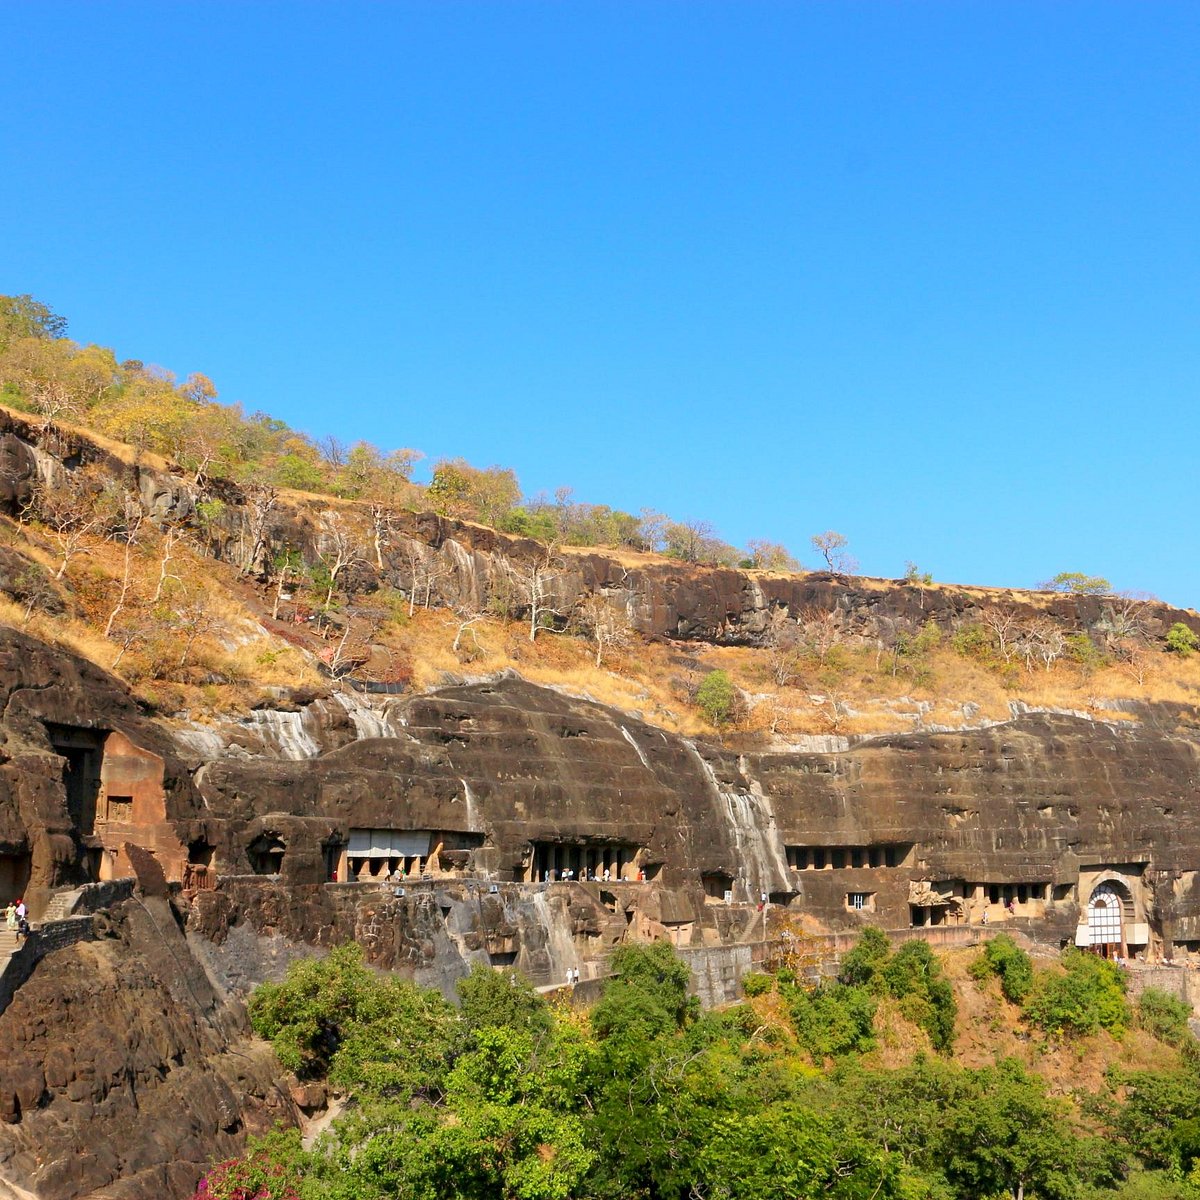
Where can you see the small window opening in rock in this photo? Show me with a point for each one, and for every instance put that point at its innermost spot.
(445, 911)
(503, 958)
(266, 854)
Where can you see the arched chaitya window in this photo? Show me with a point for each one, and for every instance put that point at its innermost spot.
(1105, 910)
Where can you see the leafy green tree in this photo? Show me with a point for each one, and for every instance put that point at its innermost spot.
(336, 1017)
(1182, 640)
(1006, 1137)
(717, 697)
(493, 1000)
(1079, 583)
(1164, 1016)
(1088, 994)
(1156, 1103)
(25, 317)
(1004, 958)
(863, 965)
(832, 1019)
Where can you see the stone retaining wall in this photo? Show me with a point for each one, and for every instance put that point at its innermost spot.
(54, 936)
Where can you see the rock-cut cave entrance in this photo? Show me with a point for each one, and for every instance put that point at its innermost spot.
(266, 854)
(83, 750)
(14, 876)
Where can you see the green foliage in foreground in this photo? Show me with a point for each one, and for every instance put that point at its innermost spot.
(648, 1098)
(1087, 996)
(1004, 958)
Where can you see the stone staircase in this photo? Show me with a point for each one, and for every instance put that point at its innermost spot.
(61, 905)
(9, 944)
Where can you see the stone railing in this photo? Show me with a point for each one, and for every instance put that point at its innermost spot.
(55, 935)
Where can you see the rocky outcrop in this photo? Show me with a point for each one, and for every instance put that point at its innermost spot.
(125, 1074)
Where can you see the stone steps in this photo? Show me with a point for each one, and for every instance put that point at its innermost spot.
(61, 905)
(9, 945)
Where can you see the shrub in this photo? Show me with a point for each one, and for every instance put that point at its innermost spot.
(863, 966)
(1004, 958)
(833, 1019)
(1082, 651)
(1088, 996)
(716, 697)
(1182, 640)
(757, 984)
(912, 975)
(1164, 1016)
(974, 641)
(271, 1170)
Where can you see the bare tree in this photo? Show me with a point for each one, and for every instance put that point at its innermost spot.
(333, 450)
(1135, 658)
(288, 568)
(338, 548)
(425, 571)
(831, 546)
(170, 537)
(193, 621)
(782, 639)
(383, 528)
(1041, 639)
(129, 535)
(770, 556)
(535, 583)
(607, 626)
(69, 510)
(1124, 619)
(1005, 624)
(652, 528)
(32, 586)
(468, 617)
(820, 633)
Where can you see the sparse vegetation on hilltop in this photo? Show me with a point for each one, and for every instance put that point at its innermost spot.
(201, 605)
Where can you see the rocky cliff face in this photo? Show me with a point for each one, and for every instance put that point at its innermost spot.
(125, 1074)
(501, 823)
(455, 563)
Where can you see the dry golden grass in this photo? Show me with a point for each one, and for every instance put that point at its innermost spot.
(119, 450)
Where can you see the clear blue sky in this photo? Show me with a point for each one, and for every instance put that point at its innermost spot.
(926, 273)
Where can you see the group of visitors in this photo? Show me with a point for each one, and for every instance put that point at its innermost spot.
(16, 918)
(567, 875)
